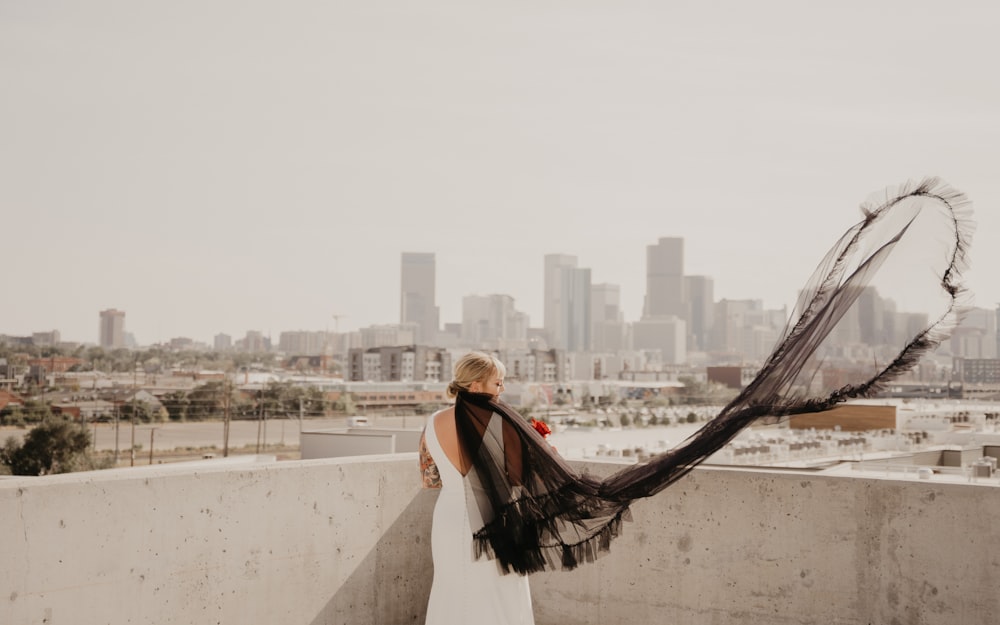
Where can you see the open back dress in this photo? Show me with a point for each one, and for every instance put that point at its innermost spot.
(466, 590)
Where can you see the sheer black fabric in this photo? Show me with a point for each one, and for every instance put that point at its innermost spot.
(541, 515)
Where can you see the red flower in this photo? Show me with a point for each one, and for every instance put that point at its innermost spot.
(541, 427)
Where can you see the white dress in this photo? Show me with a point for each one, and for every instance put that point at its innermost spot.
(466, 591)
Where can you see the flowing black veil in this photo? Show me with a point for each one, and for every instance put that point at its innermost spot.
(540, 514)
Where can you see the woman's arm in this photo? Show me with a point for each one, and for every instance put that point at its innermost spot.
(428, 469)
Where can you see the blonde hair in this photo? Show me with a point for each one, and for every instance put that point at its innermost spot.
(474, 367)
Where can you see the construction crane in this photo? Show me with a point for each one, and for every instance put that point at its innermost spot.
(336, 330)
(336, 322)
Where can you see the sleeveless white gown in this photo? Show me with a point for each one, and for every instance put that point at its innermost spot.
(466, 591)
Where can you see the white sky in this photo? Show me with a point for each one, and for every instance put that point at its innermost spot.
(230, 165)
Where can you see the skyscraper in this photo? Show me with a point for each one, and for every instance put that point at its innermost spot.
(491, 321)
(574, 324)
(553, 295)
(112, 329)
(700, 302)
(665, 334)
(665, 279)
(417, 297)
(222, 342)
(607, 325)
(605, 302)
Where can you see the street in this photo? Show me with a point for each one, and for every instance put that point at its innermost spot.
(195, 434)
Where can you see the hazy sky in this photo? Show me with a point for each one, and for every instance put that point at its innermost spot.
(222, 166)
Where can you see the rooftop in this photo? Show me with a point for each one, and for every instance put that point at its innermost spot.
(346, 540)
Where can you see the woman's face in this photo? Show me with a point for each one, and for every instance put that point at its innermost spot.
(492, 385)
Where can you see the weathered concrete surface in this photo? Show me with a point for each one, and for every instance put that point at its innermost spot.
(358, 441)
(301, 542)
(338, 541)
(740, 547)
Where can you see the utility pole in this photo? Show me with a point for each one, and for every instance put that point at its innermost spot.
(151, 430)
(225, 418)
(260, 417)
(134, 392)
(117, 412)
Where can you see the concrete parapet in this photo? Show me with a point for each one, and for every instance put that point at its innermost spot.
(346, 540)
(736, 547)
(297, 542)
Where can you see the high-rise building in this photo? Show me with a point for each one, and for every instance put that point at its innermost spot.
(567, 303)
(112, 329)
(535, 365)
(665, 334)
(730, 321)
(222, 342)
(304, 343)
(665, 279)
(387, 335)
(399, 363)
(607, 326)
(491, 321)
(976, 337)
(417, 295)
(254, 342)
(996, 322)
(605, 302)
(552, 301)
(700, 302)
(744, 331)
(45, 338)
(574, 324)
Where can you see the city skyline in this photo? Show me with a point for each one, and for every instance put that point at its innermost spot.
(122, 317)
(267, 174)
(113, 322)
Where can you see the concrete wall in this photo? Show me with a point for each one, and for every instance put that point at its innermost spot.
(337, 541)
(737, 547)
(341, 443)
(357, 441)
(313, 542)
(961, 457)
(407, 440)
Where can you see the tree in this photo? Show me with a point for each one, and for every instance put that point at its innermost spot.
(57, 445)
(346, 404)
(657, 401)
(33, 411)
(94, 356)
(144, 413)
(207, 401)
(176, 403)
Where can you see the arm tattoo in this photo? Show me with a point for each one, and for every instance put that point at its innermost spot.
(428, 469)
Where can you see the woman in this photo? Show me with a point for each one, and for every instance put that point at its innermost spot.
(526, 510)
(466, 589)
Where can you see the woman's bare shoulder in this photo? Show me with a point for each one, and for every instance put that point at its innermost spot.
(444, 418)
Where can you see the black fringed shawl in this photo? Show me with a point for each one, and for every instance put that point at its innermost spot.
(541, 515)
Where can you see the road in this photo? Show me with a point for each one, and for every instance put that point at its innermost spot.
(197, 434)
(187, 438)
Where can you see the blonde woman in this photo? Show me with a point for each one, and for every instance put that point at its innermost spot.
(466, 589)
